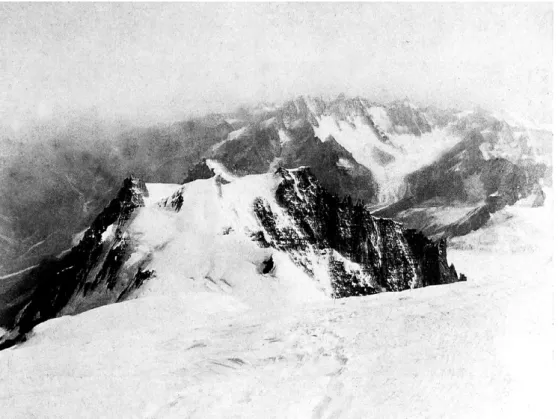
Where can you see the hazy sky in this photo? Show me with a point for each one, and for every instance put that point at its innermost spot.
(164, 61)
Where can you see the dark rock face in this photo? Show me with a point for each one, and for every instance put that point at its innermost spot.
(249, 153)
(472, 221)
(453, 176)
(495, 203)
(390, 211)
(175, 201)
(365, 255)
(408, 118)
(432, 257)
(162, 154)
(267, 265)
(92, 273)
(445, 177)
(199, 171)
(258, 149)
(323, 157)
(505, 178)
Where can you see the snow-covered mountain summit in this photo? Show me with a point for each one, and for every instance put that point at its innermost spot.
(268, 240)
(478, 348)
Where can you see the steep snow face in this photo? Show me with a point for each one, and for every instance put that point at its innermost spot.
(481, 348)
(204, 244)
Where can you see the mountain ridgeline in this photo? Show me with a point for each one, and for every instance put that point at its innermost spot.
(362, 254)
(387, 257)
(91, 273)
(378, 153)
(440, 172)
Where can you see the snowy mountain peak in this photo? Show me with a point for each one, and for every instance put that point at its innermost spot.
(272, 239)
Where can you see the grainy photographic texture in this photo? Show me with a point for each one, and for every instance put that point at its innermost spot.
(270, 210)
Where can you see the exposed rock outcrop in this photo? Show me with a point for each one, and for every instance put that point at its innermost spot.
(92, 273)
(365, 254)
(258, 149)
(463, 174)
(406, 118)
(199, 171)
(472, 221)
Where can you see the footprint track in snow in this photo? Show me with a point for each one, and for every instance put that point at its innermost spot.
(323, 349)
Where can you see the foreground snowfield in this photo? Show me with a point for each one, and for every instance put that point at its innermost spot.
(477, 349)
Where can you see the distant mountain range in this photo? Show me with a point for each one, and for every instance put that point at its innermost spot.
(439, 171)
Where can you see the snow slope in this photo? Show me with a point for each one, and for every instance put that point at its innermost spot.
(479, 348)
(205, 246)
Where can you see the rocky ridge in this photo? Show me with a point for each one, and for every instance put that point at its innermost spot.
(91, 274)
(362, 254)
(365, 254)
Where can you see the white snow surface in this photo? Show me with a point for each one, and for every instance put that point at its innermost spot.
(283, 136)
(342, 162)
(206, 246)
(158, 191)
(479, 349)
(108, 233)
